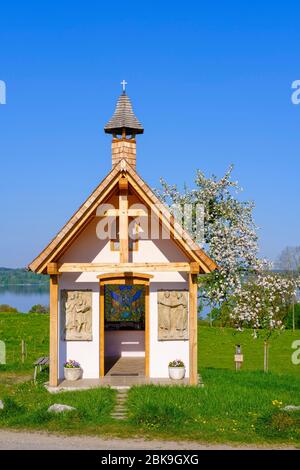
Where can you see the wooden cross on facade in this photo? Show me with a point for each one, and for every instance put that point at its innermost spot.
(124, 213)
(123, 220)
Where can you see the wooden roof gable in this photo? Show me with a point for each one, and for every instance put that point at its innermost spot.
(84, 214)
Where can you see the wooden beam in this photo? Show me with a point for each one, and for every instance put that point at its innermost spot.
(52, 268)
(193, 329)
(141, 278)
(53, 377)
(131, 213)
(123, 184)
(194, 268)
(123, 267)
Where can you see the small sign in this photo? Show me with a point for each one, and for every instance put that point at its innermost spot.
(238, 358)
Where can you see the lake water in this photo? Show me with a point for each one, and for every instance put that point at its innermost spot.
(24, 297)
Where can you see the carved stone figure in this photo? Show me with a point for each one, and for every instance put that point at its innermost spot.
(76, 311)
(172, 315)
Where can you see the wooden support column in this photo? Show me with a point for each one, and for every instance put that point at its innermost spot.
(123, 220)
(53, 378)
(193, 329)
(102, 324)
(147, 331)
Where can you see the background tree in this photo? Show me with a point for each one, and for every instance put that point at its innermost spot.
(289, 259)
(262, 304)
(38, 308)
(289, 262)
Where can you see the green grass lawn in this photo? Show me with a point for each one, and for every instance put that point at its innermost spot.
(27, 403)
(33, 328)
(240, 407)
(237, 408)
(243, 407)
(216, 348)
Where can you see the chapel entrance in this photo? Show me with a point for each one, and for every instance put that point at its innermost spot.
(124, 343)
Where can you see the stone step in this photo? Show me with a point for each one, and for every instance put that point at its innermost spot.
(121, 388)
(120, 410)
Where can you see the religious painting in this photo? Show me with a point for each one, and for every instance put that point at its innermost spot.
(76, 313)
(172, 315)
(124, 307)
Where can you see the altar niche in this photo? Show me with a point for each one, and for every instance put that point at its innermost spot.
(124, 307)
(124, 324)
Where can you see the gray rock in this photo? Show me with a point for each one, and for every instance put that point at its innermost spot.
(1, 405)
(59, 408)
(291, 408)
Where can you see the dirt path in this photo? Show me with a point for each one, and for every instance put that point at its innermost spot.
(32, 441)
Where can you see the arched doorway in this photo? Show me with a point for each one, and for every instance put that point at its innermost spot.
(124, 316)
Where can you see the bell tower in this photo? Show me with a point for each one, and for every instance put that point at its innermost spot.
(123, 126)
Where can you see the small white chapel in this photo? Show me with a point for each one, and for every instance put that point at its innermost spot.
(123, 276)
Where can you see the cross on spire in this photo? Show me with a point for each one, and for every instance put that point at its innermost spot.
(124, 83)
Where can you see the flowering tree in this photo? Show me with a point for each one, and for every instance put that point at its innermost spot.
(229, 232)
(262, 303)
(240, 286)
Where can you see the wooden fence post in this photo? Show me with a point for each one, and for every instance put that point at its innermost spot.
(23, 350)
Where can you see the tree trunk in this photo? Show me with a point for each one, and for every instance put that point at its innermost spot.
(266, 356)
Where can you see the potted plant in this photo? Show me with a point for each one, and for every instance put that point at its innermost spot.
(176, 370)
(72, 370)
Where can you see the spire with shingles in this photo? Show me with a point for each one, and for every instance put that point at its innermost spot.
(124, 120)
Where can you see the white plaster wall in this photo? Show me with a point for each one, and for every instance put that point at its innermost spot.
(85, 352)
(162, 352)
(88, 249)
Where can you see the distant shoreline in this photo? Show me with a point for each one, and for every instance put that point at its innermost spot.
(27, 285)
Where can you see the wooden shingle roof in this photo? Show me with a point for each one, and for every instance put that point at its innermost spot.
(124, 118)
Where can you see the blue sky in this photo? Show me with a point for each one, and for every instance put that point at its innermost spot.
(210, 81)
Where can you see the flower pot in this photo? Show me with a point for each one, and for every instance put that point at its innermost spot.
(176, 373)
(73, 373)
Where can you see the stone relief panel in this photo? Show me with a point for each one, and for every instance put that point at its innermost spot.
(172, 315)
(76, 314)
